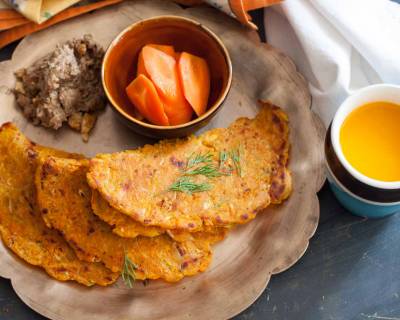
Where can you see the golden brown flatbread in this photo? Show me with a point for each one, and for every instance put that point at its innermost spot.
(122, 224)
(65, 201)
(21, 226)
(126, 227)
(221, 178)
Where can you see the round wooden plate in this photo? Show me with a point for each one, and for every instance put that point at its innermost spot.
(245, 261)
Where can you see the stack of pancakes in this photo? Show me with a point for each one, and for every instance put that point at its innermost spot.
(85, 220)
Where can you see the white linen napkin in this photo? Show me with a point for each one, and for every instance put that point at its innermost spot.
(338, 45)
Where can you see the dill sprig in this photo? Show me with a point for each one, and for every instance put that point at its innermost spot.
(208, 170)
(235, 155)
(187, 185)
(199, 158)
(202, 165)
(128, 271)
(223, 157)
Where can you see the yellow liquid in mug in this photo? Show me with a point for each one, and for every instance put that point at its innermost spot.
(370, 140)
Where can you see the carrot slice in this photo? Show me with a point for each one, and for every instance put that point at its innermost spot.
(144, 96)
(163, 71)
(164, 48)
(140, 66)
(169, 50)
(195, 80)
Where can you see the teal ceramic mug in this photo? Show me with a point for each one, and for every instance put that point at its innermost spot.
(358, 193)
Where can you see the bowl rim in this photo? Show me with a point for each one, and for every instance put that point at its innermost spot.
(331, 175)
(204, 116)
(349, 104)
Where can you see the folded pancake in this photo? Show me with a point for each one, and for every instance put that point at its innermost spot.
(211, 235)
(122, 225)
(21, 225)
(126, 227)
(65, 201)
(221, 178)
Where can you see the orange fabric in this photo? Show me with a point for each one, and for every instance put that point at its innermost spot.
(6, 14)
(14, 26)
(240, 8)
(240, 12)
(11, 23)
(257, 4)
(8, 36)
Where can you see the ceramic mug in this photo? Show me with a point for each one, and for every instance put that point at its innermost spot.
(358, 193)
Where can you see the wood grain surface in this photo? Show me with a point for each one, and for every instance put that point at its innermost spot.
(244, 263)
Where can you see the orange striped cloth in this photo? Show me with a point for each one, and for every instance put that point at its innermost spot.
(235, 8)
(14, 25)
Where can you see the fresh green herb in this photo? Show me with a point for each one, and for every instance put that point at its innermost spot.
(128, 271)
(223, 156)
(187, 185)
(201, 165)
(235, 156)
(199, 158)
(208, 170)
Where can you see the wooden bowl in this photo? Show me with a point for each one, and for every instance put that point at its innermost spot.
(120, 64)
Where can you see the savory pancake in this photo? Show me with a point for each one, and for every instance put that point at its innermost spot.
(65, 201)
(221, 178)
(211, 235)
(21, 226)
(126, 227)
(122, 225)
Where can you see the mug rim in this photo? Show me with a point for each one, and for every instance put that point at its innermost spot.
(332, 175)
(335, 134)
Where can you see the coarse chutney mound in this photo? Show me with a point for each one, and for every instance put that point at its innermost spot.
(63, 86)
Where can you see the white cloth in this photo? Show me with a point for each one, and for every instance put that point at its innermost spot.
(338, 45)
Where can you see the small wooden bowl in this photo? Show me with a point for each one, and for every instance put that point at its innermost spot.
(120, 64)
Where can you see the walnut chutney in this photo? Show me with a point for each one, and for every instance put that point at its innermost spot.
(63, 86)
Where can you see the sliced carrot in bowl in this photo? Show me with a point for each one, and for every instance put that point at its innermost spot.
(169, 50)
(195, 80)
(143, 94)
(164, 48)
(140, 66)
(163, 71)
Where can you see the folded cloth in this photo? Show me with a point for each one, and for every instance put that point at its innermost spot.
(9, 23)
(36, 15)
(9, 18)
(339, 46)
(235, 8)
(40, 10)
(20, 12)
(28, 27)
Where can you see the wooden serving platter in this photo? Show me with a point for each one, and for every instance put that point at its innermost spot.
(243, 263)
